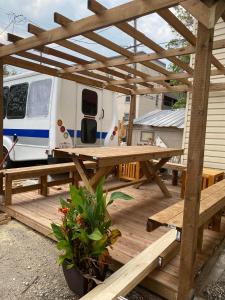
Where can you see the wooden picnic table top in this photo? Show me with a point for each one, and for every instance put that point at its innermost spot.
(109, 156)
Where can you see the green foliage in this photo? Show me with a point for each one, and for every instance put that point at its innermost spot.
(181, 103)
(178, 41)
(85, 233)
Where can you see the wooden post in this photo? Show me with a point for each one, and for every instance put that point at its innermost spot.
(195, 160)
(131, 119)
(1, 122)
(44, 185)
(8, 190)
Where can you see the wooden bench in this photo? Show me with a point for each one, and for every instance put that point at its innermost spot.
(131, 274)
(40, 172)
(211, 208)
(209, 177)
(175, 168)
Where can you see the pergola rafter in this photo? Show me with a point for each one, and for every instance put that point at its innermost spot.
(82, 50)
(118, 74)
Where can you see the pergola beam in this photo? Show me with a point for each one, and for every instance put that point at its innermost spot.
(172, 76)
(138, 58)
(173, 21)
(119, 61)
(214, 87)
(98, 8)
(125, 12)
(98, 57)
(207, 15)
(21, 63)
(64, 21)
(55, 63)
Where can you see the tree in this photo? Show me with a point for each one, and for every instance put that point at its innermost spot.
(177, 42)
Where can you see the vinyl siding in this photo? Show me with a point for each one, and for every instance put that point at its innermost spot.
(215, 131)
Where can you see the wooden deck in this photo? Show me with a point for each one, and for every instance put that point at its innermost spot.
(130, 217)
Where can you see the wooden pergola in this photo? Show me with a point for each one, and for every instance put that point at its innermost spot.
(130, 81)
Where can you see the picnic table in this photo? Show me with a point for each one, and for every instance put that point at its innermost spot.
(108, 157)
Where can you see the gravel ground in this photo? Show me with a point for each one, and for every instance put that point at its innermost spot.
(214, 283)
(28, 268)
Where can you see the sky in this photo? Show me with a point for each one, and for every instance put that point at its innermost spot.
(16, 14)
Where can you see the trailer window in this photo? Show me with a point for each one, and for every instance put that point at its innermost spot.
(5, 100)
(88, 131)
(16, 108)
(89, 102)
(38, 98)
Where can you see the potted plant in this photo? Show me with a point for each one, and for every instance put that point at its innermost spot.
(84, 236)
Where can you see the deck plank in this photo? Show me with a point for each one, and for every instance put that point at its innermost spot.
(130, 217)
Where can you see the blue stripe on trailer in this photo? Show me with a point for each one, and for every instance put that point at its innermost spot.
(71, 132)
(38, 133)
(44, 133)
(98, 134)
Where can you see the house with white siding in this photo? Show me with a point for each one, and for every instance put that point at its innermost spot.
(215, 132)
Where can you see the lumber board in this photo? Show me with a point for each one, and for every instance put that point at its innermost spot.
(109, 156)
(212, 201)
(199, 108)
(25, 172)
(118, 186)
(131, 274)
(38, 212)
(64, 21)
(173, 21)
(130, 10)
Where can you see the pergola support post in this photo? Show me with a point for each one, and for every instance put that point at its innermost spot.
(132, 115)
(1, 122)
(195, 160)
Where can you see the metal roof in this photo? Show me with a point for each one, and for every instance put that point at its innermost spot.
(162, 118)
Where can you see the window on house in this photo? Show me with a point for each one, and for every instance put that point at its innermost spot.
(5, 99)
(126, 117)
(16, 108)
(39, 98)
(89, 102)
(127, 99)
(88, 131)
(147, 136)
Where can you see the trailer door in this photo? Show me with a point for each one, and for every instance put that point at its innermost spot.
(89, 116)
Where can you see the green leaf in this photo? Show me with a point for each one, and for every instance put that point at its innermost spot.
(61, 259)
(64, 203)
(57, 231)
(119, 195)
(98, 247)
(75, 235)
(83, 236)
(70, 266)
(63, 244)
(95, 235)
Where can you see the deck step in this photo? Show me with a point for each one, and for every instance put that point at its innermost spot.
(131, 274)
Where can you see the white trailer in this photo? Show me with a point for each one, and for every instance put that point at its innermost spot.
(46, 113)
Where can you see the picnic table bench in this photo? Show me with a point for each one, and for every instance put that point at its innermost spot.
(41, 172)
(211, 209)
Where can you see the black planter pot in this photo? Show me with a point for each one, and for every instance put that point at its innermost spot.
(77, 283)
